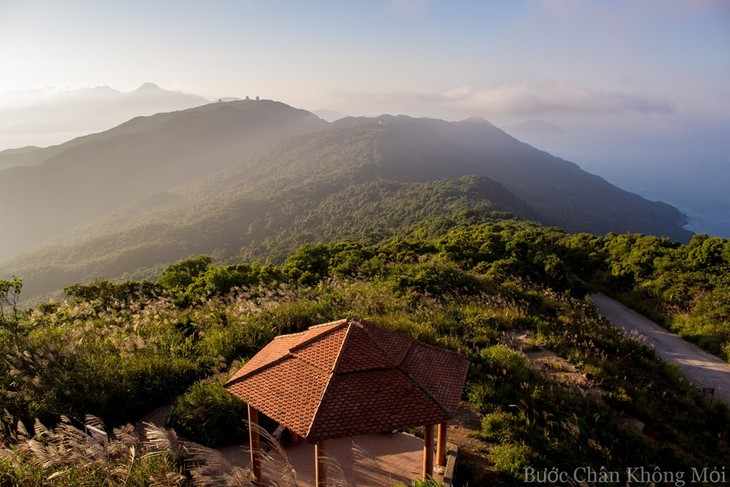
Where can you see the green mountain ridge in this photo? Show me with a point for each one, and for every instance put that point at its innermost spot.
(568, 196)
(90, 176)
(364, 179)
(268, 229)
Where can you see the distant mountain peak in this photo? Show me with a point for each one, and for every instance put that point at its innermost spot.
(476, 119)
(148, 87)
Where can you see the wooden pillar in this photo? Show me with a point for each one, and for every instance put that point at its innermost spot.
(293, 437)
(320, 468)
(441, 448)
(254, 441)
(427, 451)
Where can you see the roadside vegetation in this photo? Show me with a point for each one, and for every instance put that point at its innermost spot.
(683, 287)
(118, 350)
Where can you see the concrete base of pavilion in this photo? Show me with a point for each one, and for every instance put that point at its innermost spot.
(389, 459)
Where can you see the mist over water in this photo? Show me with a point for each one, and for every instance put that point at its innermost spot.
(689, 169)
(707, 212)
(697, 187)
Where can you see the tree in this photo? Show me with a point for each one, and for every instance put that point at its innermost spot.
(706, 252)
(9, 298)
(108, 293)
(178, 276)
(309, 264)
(220, 279)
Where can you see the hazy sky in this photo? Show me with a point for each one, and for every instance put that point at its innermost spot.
(641, 88)
(500, 59)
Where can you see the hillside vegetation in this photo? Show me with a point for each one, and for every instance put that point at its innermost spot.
(93, 175)
(684, 287)
(117, 350)
(366, 179)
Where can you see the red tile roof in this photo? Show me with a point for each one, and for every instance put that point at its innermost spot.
(350, 377)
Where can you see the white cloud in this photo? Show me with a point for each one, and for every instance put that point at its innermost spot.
(525, 100)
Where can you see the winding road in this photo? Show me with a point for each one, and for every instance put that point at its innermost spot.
(701, 368)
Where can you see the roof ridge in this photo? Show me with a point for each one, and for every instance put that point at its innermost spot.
(382, 349)
(424, 389)
(309, 364)
(329, 323)
(336, 325)
(289, 335)
(342, 345)
(325, 391)
(440, 349)
(427, 392)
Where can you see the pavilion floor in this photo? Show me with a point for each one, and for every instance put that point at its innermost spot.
(387, 459)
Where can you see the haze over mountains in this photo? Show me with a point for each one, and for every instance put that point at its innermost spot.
(688, 168)
(258, 178)
(92, 175)
(41, 118)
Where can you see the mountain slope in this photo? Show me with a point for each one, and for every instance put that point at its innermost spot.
(358, 178)
(24, 156)
(90, 176)
(560, 190)
(268, 228)
(417, 150)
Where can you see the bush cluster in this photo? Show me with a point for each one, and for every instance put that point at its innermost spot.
(119, 350)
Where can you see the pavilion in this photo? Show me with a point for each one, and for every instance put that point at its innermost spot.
(351, 377)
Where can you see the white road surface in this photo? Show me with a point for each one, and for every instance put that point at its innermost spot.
(701, 368)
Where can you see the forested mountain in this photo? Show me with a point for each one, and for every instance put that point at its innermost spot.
(365, 179)
(92, 175)
(560, 190)
(267, 228)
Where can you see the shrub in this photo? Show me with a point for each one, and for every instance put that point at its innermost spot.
(308, 265)
(504, 361)
(510, 458)
(178, 276)
(435, 276)
(219, 279)
(500, 425)
(209, 415)
(294, 317)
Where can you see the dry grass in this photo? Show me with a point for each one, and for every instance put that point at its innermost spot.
(71, 455)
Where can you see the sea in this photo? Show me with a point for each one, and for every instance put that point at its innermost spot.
(707, 211)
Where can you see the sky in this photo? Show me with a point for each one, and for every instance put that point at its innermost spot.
(499, 59)
(631, 82)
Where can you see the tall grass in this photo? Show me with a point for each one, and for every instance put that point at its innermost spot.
(121, 359)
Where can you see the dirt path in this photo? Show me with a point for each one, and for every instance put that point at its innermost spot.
(700, 367)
